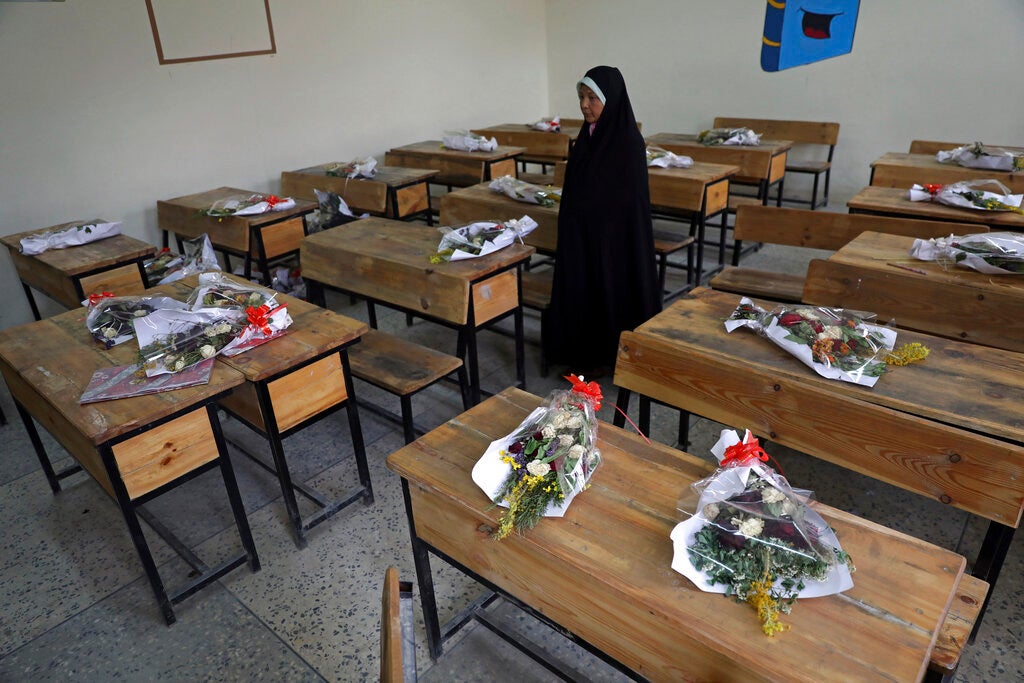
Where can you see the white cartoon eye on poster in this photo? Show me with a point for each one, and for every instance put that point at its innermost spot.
(804, 31)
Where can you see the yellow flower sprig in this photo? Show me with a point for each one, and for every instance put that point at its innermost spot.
(907, 354)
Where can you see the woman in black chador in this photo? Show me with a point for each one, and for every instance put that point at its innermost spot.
(605, 278)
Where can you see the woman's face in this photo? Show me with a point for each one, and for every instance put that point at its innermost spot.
(590, 105)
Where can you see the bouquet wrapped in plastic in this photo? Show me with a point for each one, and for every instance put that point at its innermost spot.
(249, 205)
(197, 257)
(977, 155)
(162, 263)
(522, 191)
(753, 537)
(539, 468)
(656, 156)
(481, 238)
(834, 342)
(332, 211)
(110, 319)
(256, 306)
(360, 167)
(468, 142)
(980, 195)
(68, 237)
(172, 340)
(552, 125)
(996, 253)
(728, 136)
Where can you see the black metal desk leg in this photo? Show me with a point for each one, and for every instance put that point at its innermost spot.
(421, 558)
(520, 347)
(31, 301)
(284, 477)
(37, 444)
(989, 561)
(622, 403)
(227, 473)
(357, 431)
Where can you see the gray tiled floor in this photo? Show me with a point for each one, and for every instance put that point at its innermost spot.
(75, 605)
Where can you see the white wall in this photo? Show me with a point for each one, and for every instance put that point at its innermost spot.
(919, 69)
(91, 125)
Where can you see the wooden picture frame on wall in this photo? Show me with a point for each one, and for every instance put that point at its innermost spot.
(188, 31)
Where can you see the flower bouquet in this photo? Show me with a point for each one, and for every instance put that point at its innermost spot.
(552, 125)
(977, 155)
(172, 340)
(197, 256)
(753, 537)
(479, 239)
(68, 237)
(360, 167)
(523, 191)
(728, 136)
(332, 211)
(539, 468)
(980, 195)
(249, 205)
(110, 318)
(835, 343)
(161, 265)
(468, 142)
(997, 253)
(656, 156)
(266, 318)
(217, 291)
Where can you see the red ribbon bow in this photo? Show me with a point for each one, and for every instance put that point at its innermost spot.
(259, 319)
(743, 454)
(591, 390)
(96, 298)
(272, 200)
(932, 188)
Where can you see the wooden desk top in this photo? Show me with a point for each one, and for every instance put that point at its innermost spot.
(361, 194)
(313, 332)
(200, 201)
(536, 143)
(901, 169)
(435, 148)
(754, 161)
(964, 400)
(387, 260)
(684, 188)
(893, 201)
(950, 301)
(55, 358)
(83, 258)
(480, 203)
(633, 606)
(393, 176)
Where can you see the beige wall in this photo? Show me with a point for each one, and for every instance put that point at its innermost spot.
(91, 125)
(918, 69)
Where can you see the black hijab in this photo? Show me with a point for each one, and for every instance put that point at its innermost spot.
(605, 277)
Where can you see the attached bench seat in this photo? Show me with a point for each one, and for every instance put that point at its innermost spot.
(956, 630)
(404, 368)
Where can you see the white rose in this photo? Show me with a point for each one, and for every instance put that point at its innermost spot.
(179, 365)
(207, 351)
(560, 420)
(109, 332)
(574, 422)
(141, 313)
(564, 440)
(548, 432)
(538, 468)
(788, 508)
(577, 452)
(711, 511)
(593, 456)
(772, 495)
(750, 527)
(831, 332)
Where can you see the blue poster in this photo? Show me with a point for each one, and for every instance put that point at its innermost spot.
(803, 31)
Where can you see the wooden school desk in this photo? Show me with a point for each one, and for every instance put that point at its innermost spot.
(540, 147)
(480, 203)
(388, 262)
(115, 264)
(949, 428)
(135, 448)
(901, 170)
(602, 574)
(875, 272)
(393, 192)
(892, 201)
(259, 238)
(456, 168)
(290, 383)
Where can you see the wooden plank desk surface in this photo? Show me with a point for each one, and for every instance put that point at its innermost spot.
(538, 145)
(113, 264)
(603, 572)
(901, 170)
(892, 201)
(481, 203)
(949, 428)
(135, 448)
(258, 238)
(393, 191)
(388, 262)
(456, 167)
(944, 300)
(764, 163)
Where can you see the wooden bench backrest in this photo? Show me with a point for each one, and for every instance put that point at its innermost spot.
(932, 146)
(800, 132)
(830, 230)
(578, 123)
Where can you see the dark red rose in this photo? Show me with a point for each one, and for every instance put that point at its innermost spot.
(516, 447)
(789, 319)
(729, 535)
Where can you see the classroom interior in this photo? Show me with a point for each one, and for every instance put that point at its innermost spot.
(94, 125)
